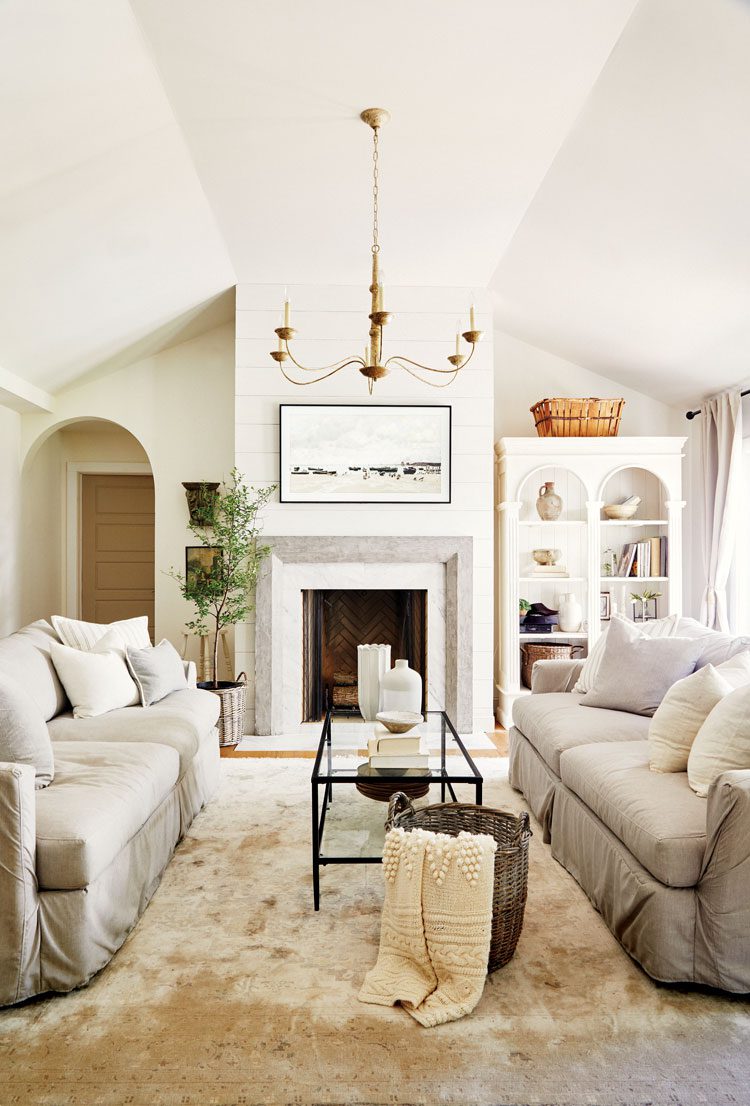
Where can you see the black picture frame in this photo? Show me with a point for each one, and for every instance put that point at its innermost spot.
(441, 413)
(605, 606)
(201, 553)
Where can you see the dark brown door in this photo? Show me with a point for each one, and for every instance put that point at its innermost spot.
(117, 548)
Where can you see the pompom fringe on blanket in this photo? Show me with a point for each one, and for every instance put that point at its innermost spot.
(436, 926)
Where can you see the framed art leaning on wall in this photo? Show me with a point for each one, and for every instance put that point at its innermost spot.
(364, 453)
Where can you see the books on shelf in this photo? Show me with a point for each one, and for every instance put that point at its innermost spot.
(644, 558)
(555, 571)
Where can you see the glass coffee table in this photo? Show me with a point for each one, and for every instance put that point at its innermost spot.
(351, 830)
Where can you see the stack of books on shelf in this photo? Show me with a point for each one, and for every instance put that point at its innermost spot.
(394, 750)
(554, 572)
(644, 558)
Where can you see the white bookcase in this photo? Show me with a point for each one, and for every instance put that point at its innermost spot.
(588, 473)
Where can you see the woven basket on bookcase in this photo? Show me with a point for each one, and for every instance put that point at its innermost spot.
(532, 651)
(232, 697)
(512, 833)
(577, 418)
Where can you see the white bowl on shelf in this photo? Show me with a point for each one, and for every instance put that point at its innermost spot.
(620, 512)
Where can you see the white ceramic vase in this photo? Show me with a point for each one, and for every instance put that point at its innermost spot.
(401, 689)
(373, 661)
(569, 613)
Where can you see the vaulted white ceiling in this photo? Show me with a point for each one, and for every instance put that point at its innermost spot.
(588, 159)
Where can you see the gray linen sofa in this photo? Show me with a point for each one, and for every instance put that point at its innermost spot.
(668, 871)
(81, 859)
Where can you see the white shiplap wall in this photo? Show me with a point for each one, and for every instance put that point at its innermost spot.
(332, 322)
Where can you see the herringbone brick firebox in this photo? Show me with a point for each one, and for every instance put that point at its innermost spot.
(335, 622)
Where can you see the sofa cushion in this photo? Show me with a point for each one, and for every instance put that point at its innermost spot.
(182, 720)
(25, 658)
(636, 672)
(24, 737)
(655, 815)
(101, 796)
(555, 722)
(717, 647)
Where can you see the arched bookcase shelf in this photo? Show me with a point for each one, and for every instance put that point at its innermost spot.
(588, 473)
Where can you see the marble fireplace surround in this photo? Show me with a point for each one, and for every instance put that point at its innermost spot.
(281, 570)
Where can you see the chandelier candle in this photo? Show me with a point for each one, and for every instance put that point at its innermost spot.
(372, 366)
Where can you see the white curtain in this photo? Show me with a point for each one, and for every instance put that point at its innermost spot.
(721, 462)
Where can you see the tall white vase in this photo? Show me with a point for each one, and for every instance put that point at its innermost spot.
(569, 613)
(401, 689)
(373, 661)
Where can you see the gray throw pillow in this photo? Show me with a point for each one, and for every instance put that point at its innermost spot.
(24, 737)
(636, 674)
(157, 672)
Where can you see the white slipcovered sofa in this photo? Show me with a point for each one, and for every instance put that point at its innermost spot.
(668, 871)
(81, 858)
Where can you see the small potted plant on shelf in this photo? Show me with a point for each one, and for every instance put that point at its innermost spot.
(223, 593)
(523, 609)
(644, 598)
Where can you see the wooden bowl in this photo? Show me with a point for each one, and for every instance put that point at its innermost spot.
(399, 721)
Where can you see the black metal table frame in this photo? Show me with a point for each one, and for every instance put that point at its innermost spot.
(442, 776)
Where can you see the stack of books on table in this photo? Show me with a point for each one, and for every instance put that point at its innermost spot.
(554, 572)
(397, 750)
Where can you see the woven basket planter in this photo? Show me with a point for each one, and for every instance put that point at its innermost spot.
(512, 833)
(232, 697)
(532, 651)
(577, 418)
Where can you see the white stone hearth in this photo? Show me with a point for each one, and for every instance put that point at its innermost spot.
(440, 566)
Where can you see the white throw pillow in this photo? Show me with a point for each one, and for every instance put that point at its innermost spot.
(680, 715)
(85, 635)
(736, 671)
(658, 627)
(95, 681)
(723, 741)
(157, 672)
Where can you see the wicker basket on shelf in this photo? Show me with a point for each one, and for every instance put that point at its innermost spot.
(533, 651)
(512, 833)
(577, 418)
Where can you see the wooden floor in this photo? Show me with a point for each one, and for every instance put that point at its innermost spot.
(498, 736)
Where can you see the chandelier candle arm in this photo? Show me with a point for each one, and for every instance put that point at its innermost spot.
(372, 366)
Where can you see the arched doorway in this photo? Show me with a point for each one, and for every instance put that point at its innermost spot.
(88, 524)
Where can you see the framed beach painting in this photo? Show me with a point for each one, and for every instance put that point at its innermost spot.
(365, 453)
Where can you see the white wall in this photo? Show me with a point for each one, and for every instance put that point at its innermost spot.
(10, 520)
(525, 374)
(179, 405)
(331, 322)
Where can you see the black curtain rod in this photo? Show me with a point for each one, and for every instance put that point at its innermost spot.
(692, 414)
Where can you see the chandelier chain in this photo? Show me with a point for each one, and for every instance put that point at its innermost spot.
(375, 182)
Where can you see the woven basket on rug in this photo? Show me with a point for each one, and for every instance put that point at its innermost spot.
(512, 833)
(232, 714)
(533, 651)
(577, 418)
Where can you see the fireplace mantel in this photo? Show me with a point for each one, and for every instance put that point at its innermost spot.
(454, 553)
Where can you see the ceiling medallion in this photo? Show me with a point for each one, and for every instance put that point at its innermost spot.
(371, 365)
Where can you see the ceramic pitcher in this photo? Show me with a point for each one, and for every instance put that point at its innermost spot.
(569, 613)
(549, 505)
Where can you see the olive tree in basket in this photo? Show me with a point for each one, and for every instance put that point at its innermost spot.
(221, 584)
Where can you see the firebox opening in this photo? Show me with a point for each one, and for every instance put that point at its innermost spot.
(335, 622)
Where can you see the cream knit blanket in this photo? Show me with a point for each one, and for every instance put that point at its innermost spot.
(436, 924)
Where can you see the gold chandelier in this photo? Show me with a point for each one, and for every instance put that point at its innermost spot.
(372, 366)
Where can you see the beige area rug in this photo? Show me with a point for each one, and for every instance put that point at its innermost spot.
(232, 991)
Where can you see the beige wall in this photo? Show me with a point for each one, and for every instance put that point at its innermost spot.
(10, 519)
(45, 502)
(179, 405)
